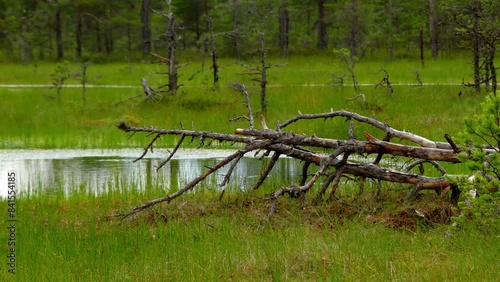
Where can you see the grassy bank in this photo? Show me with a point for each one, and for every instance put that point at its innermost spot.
(33, 118)
(361, 237)
(199, 238)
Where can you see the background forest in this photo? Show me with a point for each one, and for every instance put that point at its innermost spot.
(36, 30)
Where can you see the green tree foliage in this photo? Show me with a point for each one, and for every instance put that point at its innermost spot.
(59, 77)
(345, 56)
(481, 205)
(112, 29)
(477, 26)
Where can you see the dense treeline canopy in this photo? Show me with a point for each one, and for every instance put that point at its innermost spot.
(55, 29)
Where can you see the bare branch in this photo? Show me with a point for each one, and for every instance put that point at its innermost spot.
(242, 89)
(148, 90)
(356, 97)
(305, 167)
(296, 191)
(149, 146)
(420, 162)
(373, 122)
(230, 171)
(351, 131)
(171, 154)
(193, 182)
(265, 173)
(371, 146)
(333, 165)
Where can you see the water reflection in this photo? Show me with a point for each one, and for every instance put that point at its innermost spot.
(99, 171)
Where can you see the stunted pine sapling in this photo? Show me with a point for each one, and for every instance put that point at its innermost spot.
(344, 55)
(481, 152)
(59, 77)
(83, 78)
(258, 69)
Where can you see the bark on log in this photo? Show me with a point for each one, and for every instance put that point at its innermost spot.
(372, 146)
(331, 166)
(373, 122)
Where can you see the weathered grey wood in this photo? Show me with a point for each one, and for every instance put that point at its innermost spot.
(333, 166)
(372, 146)
(147, 89)
(371, 121)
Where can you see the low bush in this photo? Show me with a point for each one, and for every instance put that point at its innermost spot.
(481, 205)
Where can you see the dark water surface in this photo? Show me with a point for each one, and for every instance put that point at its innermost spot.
(99, 170)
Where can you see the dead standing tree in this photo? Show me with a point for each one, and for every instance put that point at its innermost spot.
(213, 49)
(478, 22)
(258, 69)
(332, 166)
(350, 61)
(170, 38)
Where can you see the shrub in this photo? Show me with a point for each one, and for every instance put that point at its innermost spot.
(481, 205)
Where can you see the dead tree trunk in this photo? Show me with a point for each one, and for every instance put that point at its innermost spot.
(145, 27)
(148, 91)
(476, 42)
(432, 30)
(213, 48)
(259, 70)
(171, 37)
(79, 32)
(284, 27)
(321, 25)
(333, 165)
(259, 65)
(58, 29)
(355, 29)
(236, 35)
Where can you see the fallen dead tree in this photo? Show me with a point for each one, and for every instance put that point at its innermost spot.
(331, 166)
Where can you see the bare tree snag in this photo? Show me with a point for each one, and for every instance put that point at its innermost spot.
(213, 48)
(171, 39)
(373, 122)
(386, 82)
(476, 42)
(258, 69)
(432, 30)
(240, 87)
(148, 91)
(193, 182)
(335, 185)
(284, 26)
(146, 26)
(332, 167)
(322, 26)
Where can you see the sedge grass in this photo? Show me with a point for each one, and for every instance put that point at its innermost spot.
(200, 238)
(197, 238)
(31, 119)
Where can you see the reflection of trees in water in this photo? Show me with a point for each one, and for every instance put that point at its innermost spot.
(98, 174)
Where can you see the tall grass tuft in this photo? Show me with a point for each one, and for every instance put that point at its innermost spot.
(200, 238)
(33, 118)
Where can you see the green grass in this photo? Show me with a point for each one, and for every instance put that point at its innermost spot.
(32, 120)
(74, 239)
(313, 69)
(196, 237)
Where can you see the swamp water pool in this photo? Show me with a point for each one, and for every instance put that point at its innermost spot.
(102, 170)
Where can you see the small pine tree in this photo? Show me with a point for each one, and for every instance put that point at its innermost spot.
(481, 204)
(59, 77)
